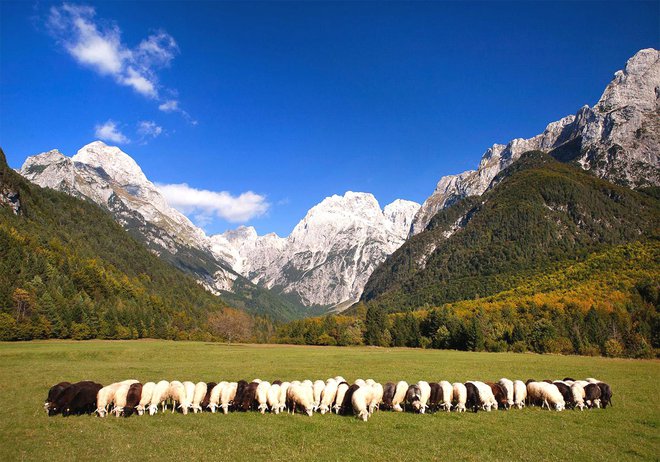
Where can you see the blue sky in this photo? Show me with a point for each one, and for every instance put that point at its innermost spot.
(270, 107)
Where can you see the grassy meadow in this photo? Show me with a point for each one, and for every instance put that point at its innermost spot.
(627, 431)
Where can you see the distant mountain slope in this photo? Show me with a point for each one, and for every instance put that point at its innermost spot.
(330, 254)
(618, 139)
(538, 213)
(67, 268)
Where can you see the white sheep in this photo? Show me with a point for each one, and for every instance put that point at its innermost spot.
(425, 388)
(359, 382)
(301, 396)
(459, 396)
(376, 397)
(360, 401)
(370, 382)
(399, 396)
(317, 389)
(577, 390)
(328, 396)
(179, 395)
(592, 380)
(339, 397)
(447, 395)
(284, 387)
(105, 397)
(159, 397)
(273, 398)
(339, 379)
(508, 387)
(198, 396)
(190, 390)
(145, 398)
(552, 397)
(486, 396)
(307, 383)
(120, 399)
(262, 396)
(519, 394)
(214, 398)
(534, 396)
(227, 396)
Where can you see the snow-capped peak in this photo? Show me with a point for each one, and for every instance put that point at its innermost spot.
(116, 163)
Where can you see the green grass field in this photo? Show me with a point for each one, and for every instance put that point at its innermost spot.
(627, 431)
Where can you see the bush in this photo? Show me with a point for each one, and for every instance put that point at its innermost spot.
(80, 331)
(326, 339)
(560, 345)
(613, 348)
(495, 346)
(519, 347)
(590, 350)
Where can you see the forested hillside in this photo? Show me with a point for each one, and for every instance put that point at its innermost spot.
(68, 270)
(540, 214)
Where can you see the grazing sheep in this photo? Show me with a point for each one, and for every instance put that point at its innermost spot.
(273, 398)
(577, 390)
(198, 396)
(342, 388)
(53, 393)
(447, 398)
(308, 383)
(425, 390)
(534, 397)
(145, 398)
(207, 398)
(592, 395)
(499, 392)
(508, 388)
(300, 396)
(276, 382)
(339, 379)
(262, 396)
(459, 396)
(360, 402)
(347, 403)
(132, 399)
(78, 398)
(486, 396)
(399, 396)
(388, 395)
(592, 380)
(605, 394)
(283, 389)
(519, 394)
(214, 397)
(317, 390)
(568, 379)
(249, 399)
(370, 382)
(360, 382)
(552, 397)
(105, 397)
(240, 389)
(472, 400)
(159, 397)
(414, 397)
(179, 395)
(376, 397)
(435, 399)
(228, 395)
(565, 391)
(190, 391)
(328, 396)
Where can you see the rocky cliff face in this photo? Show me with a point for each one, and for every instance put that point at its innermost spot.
(330, 254)
(112, 179)
(618, 139)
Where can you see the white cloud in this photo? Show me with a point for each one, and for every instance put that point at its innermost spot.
(98, 45)
(169, 106)
(109, 132)
(203, 204)
(149, 129)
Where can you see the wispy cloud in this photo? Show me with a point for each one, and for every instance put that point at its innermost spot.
(97, 45)
(203, 204)
(149, 129)
(109, 131)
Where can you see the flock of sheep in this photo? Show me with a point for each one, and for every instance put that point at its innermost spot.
(361, 399)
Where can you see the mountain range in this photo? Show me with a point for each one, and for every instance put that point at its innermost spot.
(329, 257)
